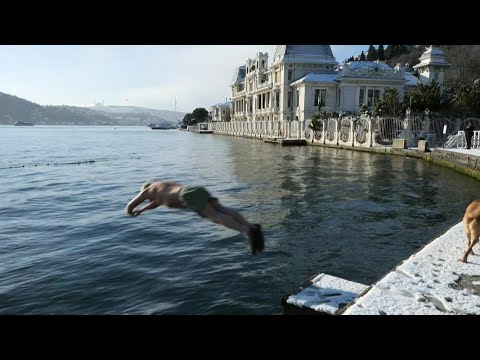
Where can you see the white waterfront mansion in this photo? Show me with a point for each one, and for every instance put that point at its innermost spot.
(302, 77)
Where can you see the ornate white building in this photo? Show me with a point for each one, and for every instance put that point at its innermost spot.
(303, 77)
(220, 112)
(432, 65)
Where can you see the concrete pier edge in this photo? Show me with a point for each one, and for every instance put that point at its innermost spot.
(343, 309)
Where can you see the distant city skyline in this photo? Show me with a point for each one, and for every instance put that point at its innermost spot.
(130, 75)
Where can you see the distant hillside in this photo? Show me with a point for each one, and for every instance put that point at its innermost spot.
(169, 116)
(13, 108)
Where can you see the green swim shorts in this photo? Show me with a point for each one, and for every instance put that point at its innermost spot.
(195, 197)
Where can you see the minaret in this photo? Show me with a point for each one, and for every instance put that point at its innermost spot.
(432, 65)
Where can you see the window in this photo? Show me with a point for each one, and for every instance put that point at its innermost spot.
(373, 97)
(298, 98)
(289, 99)
(290, 74)
(277, 99)
(361, 96)
(320, 97)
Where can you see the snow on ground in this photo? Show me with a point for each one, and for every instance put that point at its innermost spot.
(474, 152)
(432, 282)
(327, 293)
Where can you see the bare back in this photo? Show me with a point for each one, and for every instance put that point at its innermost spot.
(164, 193)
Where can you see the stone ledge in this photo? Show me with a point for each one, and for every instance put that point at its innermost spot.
(323, 295)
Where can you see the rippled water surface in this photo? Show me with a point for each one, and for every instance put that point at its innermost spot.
(66, 246)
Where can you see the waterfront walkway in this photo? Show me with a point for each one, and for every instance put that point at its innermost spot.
(430, 282)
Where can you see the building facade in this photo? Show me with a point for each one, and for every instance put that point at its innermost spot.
(302, 78)
(220, 112)
(432, 65)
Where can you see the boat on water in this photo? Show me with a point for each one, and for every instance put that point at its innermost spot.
(165, 125)
(23, 123)
(160, 127)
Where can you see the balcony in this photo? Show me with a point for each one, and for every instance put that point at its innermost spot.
(240, 93)
(264, 85)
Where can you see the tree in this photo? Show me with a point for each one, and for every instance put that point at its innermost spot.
(388, 52)
(468, 97)
(187, 120)
(317, 122)
(372, 53)
(429, 96)
(465, 60)
(381, 53)
(362, 57)
(390, 104)
(199, 115)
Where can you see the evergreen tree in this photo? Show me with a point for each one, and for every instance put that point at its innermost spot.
(187, 120)
(362, 57)
(199, 115)
(468, 97)
(391, 51)
(390, 104)
(372, 53)
(381, 53)
(317, 121)
(429, 96)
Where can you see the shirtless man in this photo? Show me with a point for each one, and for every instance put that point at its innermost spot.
(198, 199)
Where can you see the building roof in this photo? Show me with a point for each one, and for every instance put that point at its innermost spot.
(323, 50)
(432, 56)
(239, 74)
(314, 78)
(305, 53)
(358, 65)
(378, 70)
(222, 105)
(411, 80)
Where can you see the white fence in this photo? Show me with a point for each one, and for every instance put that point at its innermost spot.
(344, 132)
(360, 131)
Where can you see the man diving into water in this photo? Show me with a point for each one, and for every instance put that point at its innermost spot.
(198, 199)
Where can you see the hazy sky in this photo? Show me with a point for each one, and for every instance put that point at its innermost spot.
(148, 76)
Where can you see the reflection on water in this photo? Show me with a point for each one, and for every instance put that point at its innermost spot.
(68, 248)
(351, 214)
